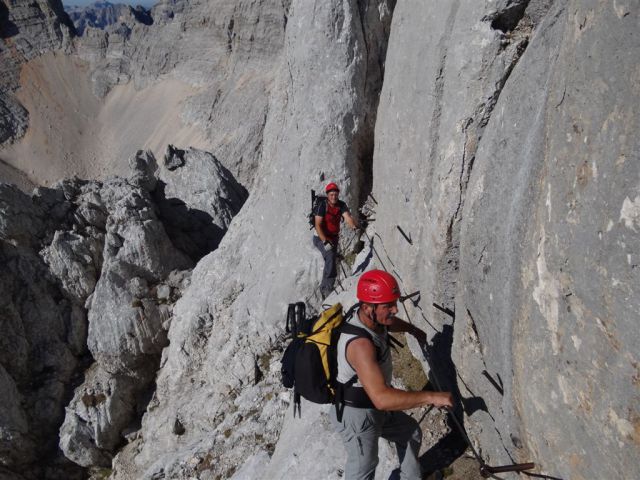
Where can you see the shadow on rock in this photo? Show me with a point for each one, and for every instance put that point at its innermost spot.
(191, 230)
(8, 29)
(443, 376)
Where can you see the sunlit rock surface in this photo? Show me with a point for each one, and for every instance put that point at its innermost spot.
(493, 143)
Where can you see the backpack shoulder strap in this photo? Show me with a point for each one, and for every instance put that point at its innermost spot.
(351, 329)
(349, 313)
(394, 343)
(359, 332)
(329, 319)
(320, 206)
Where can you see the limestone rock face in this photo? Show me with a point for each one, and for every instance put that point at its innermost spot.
(98, 413)
(35, 27)
(88, 267)
(125, 325)
(553, 286)
(13, 119)
(130, 308)
(144, 168)
(197, 197)
(41, 347)
(21, 220)
(104, 14)
(27, 29)
(76, 261)
(510, 223)
(228, 323)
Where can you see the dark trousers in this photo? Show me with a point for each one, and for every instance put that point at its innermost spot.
(329, 273)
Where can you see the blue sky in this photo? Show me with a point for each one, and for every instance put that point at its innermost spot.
(144, 3)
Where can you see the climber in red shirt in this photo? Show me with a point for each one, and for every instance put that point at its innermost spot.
(328, 214)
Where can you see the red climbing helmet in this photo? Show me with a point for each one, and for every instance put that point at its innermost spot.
(330, 187)
(377, 286)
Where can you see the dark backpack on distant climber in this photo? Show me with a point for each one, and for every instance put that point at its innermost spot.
(316, 202)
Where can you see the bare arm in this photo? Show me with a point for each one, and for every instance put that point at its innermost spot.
(349, 220)
(361, 354)
(319, 230)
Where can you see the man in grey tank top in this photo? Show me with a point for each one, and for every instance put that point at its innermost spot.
(371, 407)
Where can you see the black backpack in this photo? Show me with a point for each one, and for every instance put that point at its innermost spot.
(309, 363)
(316, 202)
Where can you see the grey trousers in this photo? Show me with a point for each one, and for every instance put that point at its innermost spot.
(360, 430)
(329, 273)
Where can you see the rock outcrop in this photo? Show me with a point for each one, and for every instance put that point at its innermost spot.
(197, 197)
(27, 29)
(90, 273)
(13, 119)
(43, 341)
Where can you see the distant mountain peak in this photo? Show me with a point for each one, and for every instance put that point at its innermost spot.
(102, 13)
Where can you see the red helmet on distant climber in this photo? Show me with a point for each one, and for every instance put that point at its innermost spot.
(377, 286)
(331, 187)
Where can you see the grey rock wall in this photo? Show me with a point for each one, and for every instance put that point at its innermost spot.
(89, 274)
(27, 29)
(229, 50)
(34, 27)
(198, 197)
(553, 287)
(130, 308)
(125, 325)
(228, 324)
(505, 193)
(13, 119)
(43, 342)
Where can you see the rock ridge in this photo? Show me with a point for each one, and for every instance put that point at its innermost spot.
(92, 276)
